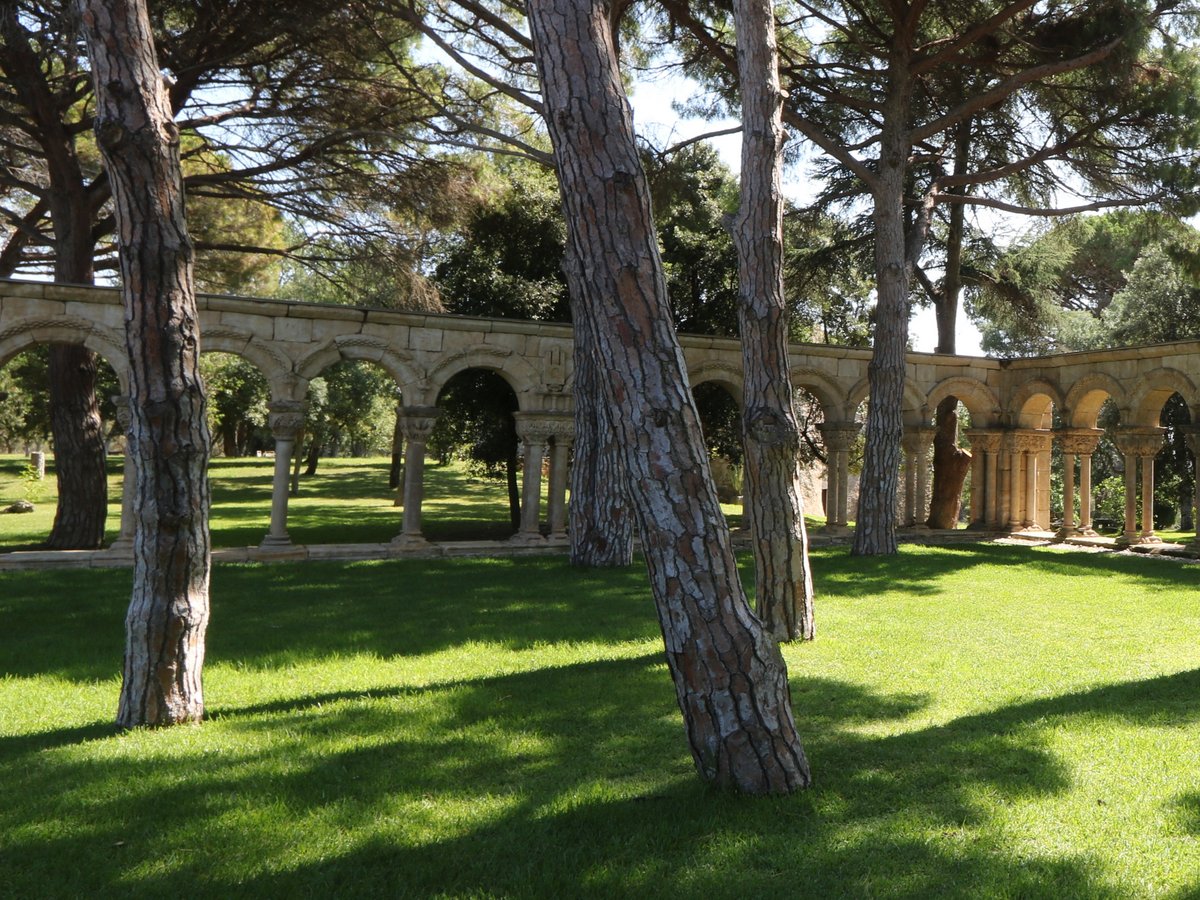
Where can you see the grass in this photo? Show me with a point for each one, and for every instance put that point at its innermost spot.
(346, 502)
(982, 721)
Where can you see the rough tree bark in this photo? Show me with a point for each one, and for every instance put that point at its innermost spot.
(601, 521)
(771, 434)
(950, 466)
(730, 680)
(78, 450)
(74, 411)
(168, 438)
(875, 533)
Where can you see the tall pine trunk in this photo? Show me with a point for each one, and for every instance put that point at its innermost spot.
(875, 533)
(169, 439)
(771, 434)
(601, 521)
(730, 680)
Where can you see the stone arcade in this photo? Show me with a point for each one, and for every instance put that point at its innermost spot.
(1011, 402)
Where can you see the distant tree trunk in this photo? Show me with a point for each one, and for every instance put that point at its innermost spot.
(730, 680)
(169, 438)
(514, 489)
(950, 462)
(771, 434)
(75, 412)
(394, 478)
(313, 458)
(601, 520)
(78, 450)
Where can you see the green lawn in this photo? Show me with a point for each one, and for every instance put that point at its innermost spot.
(346, 502)
(983, 721)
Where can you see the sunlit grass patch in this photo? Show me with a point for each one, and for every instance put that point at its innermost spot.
(981, 721)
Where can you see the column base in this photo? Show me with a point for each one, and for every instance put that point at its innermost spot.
(527, 539)
(403, 543)
(837, 530)
(273, 541)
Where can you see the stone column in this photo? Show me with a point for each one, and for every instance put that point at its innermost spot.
(534, 431)
(124, 541)
(286, 418)
(1031, 484)
(1079, 442)
(839, 438)
(985, 477)
(560, 453)
(1134, 444)
(916, 443)
(910, 443)
(416, 423)
(1014, 492)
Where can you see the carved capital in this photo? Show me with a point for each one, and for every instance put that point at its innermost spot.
(985, 440)
(919, 439)
(124, 413)
(839, 435)
(539, 427)
(1143, 442)
(1079, 441)
(417, 422)
(1030, 441)
(286, 418)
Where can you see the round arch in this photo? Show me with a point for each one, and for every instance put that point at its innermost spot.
(829, 394)
(396, 363)
(726, 375)
(275, 367)
(915, 411)
(1031, 404)
(1152, 391)
(25, 334)
(1088, 394)
(514, 369)
(979, 399)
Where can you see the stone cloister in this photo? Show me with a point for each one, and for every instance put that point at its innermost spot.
(1012, 403)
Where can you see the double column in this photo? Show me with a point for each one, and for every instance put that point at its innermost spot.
(1139, 444)
(1077, 442)
(1025, 482)
(916, 443)
(416, 423)
(986, 444)
(285, 419)
(839, 438)
(538, 432)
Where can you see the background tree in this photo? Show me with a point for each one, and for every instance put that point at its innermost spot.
(297, 106)
(882, 90)
(168, 435)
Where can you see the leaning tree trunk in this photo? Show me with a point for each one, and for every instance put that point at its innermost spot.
(78, 450)
(951, 463)
(771, 434)
(601, 521)
(168, 437)
(730, 679)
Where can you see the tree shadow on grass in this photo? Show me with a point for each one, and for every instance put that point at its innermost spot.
(563, 781)
(919, 569)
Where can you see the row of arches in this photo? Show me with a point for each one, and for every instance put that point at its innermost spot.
(1013, 439)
